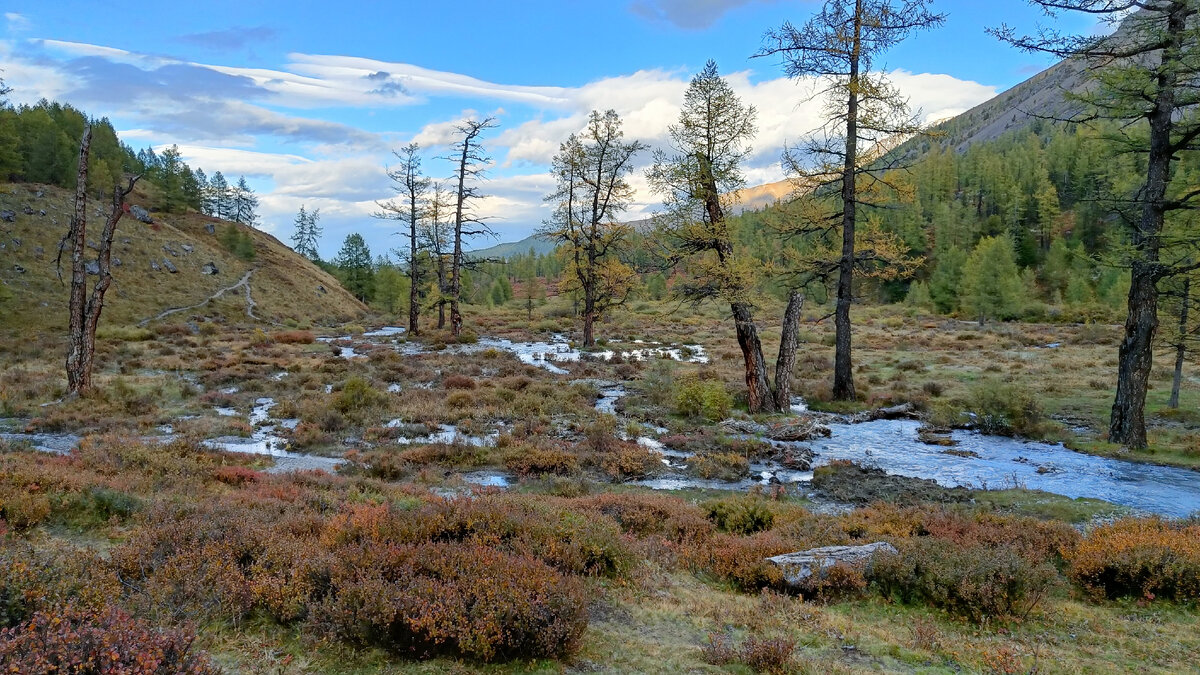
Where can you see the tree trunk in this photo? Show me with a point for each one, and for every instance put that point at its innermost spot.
(843, 369)
(1128, 425)
(758, 395)
(456, 321)
(414, 278)
(79, 376)
(785, 362)
(1181, 346)
(589, 317)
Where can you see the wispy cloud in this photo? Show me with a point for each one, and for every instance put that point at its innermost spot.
(17, 22)
(687, 14)
(230, 39)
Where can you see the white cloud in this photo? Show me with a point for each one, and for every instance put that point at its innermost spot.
(17, 22)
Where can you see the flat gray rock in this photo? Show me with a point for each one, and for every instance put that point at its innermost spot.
(798, 567)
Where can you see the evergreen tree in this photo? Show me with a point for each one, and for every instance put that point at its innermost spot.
(220, 197)
(244, 203)
(307, 233)
(991, 281)
(945, 283)
(353, 262)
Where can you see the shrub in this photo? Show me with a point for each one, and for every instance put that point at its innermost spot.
(705, 399)
(356, 396)
(644, 515)
(535, 461)
(741, 515)
(763, 655)
(1140, 557)
(742, 560)
(458, 382)
(718, 466)
(23, 509)
(1005, 408)
(32, 580)
(465, 600)
(75, 640)
(630, 461)
(294, 337)
(978, 583)
(837, 582)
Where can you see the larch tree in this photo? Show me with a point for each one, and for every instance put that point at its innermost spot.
(243, 203)
(1144, 97)
(1181, 299)
(591, 170)
(839, 48)
(355, 267)
(470, 161)
(411, 187)
(698, 178)
(435, 238)
(85, 307)
(307, 233)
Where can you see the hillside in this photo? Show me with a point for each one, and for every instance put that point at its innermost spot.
(540, 246)
(283, 285)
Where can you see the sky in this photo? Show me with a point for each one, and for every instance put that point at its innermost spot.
(308, 100)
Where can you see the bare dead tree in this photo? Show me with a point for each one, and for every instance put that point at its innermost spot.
(411, 186)
(84, 308)
(435, 241)
(470, 163)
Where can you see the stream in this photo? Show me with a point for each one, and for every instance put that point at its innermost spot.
(979, 461)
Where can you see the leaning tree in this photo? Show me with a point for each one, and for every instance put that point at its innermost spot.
(698, 178)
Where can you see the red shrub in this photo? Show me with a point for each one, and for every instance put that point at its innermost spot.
(466, 600)
(294, 337)
(109, 642)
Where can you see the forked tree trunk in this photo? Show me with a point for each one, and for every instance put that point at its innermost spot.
(1181, 346)
(85, 310)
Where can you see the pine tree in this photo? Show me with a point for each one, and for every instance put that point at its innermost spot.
(991, 281)
(354, 266)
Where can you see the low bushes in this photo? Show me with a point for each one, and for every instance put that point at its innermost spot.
(763, 655)
(1145, 558)
(741, 515)
(706, 399)
(1005, 408)
(974, 582)
(538, 461)
(77, 640)
(467, 600)
(726, 466)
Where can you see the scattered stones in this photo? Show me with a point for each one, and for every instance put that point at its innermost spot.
(116, 262)
(967, 454)
(42, 212)
(93, 245)
(210, 269)
(170, 267)
(18, 269)
(936, 436)
(799, 567)
(8, 216)
(167, 248)
(39, 252)
(39, 194)
(210, 228)
(321, 290)
(93, 267)
(140, 213)
(154, 266)
(188, 248)
(16, 242)
(28, 210)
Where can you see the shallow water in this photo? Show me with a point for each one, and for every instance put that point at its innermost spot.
(1007, 462)
(264, 441)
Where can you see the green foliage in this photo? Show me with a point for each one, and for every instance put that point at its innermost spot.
(237, 241)
(354, 267)
(1005, 408)
(946, 282)
(919, 296)
(706, 399)
(356, 396)
(391, 287)
(991, 281)
(740, 515)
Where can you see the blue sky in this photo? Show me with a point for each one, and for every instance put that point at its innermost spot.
(308, 99)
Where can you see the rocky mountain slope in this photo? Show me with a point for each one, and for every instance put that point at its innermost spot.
(177, 262)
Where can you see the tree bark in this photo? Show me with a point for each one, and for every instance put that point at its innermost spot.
(1127, 425)
(785, 362)
(79, 377)
(1181, 346)
(843, 369)
(758, 394)
(414, 278)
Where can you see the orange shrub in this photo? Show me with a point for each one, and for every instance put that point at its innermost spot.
(644, 515)
(33, 580)
(742, 560)
(536, 461)
(465, 600)
(458, 382)
(294, 337)
(627, 461)
(1141, 557)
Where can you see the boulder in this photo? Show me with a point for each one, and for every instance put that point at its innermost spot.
(210, 228)
(799, 567)
(39, 194)
(28, 210)
(170, 267)
(743, 427)
(93, 267)
(889, 413)
(8, 215)
(140, 213)
(18, 269)
(321, 290)
(116, 262)
(210, 269)
(167, 249)
(188, 248)
(154, 266)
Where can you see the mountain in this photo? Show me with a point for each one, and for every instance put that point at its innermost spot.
(281, 284)
(540, 246)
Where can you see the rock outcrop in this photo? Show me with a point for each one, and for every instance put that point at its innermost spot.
(800, 568)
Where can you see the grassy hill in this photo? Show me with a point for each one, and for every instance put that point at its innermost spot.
(284, 286)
